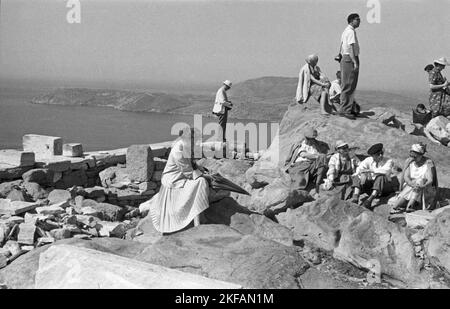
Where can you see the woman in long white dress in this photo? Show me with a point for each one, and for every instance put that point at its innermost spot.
(184, 191)
(418, 178)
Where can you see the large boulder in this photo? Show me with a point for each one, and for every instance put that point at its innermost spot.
(213, 251)
(357, 236)
(20, 274)
(437, 240)
(65, 266)
(227, 211)
(42, 176)
(7, 187)
(35, 191)
(219, 252)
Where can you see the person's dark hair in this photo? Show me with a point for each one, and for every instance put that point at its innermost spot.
(351, 17)
(420, 106)
(429, 67)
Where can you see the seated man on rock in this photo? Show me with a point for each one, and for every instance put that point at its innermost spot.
(373, 176)
(341, 167)
(307, 161)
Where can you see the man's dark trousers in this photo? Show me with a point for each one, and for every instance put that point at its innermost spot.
(349, 81)
(223, 118)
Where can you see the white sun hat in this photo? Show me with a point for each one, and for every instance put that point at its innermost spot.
(228, 83)
(442, 61)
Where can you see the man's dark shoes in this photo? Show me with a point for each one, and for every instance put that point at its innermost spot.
(367, 203)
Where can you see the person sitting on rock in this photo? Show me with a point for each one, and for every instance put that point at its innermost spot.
(341, 167)
(373, 176)
(420, 180)
(307, 161)
(335, 96)
(313, 83)
(184, 193)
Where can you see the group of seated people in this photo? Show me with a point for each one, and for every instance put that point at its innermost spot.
(310, 164)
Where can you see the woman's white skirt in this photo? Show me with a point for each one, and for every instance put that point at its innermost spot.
(172, 209)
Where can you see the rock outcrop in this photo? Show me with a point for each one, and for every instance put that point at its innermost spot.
(357, 236)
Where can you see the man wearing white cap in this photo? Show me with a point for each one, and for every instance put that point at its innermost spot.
(222, 105)
(439, 89)
(341, 167)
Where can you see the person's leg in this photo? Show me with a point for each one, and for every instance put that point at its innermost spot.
(324, 102)
(360, 184)
(318, 170)
(223, 124)
(347, 84)
(400, 203)
(380, 187)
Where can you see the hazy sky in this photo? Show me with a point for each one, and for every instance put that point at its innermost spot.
(146, 43)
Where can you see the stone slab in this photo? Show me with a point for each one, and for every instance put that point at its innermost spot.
(69, 267)
(72, 150)
(42, 145)
(16, 158)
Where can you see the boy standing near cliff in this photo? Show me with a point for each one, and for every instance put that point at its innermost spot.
(349, 65)
(222, 105)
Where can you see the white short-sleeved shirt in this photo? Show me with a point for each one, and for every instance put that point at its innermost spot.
(335, 89)
(349, 37)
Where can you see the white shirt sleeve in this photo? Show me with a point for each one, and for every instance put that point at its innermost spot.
(350, 37)
(385, 169)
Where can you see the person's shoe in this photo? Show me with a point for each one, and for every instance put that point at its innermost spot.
(367, 203)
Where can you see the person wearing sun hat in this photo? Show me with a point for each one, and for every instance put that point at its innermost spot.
(373, 176)
(307, 161)
(341, 167)
(222, 105)
(419, 181)
(439, 89)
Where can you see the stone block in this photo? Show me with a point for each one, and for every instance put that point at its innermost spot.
(15, 208)
(140, 164)
(73, 150)
(42, 145)
(27, 233)
(16, 158)
(70, 267)
(58, 196)
(50, 210)
(111, 229)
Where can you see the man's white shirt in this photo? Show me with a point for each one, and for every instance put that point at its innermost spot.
(349, 37)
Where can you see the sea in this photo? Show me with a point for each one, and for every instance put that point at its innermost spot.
(96, 128)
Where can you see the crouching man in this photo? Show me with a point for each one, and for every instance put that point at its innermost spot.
(373, 176)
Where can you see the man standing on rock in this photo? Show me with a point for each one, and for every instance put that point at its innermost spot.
(222, 105)
(349, 65)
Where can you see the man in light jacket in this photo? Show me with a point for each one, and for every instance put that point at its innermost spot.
(222, 105)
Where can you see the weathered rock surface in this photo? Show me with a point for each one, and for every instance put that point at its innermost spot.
(228, 212)
(58, 196)
(41, 176)
(7, 187)
(437, 240)
(244, 259)
(35, 191)
(357, 236)
(140, 165)
(65, 266)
